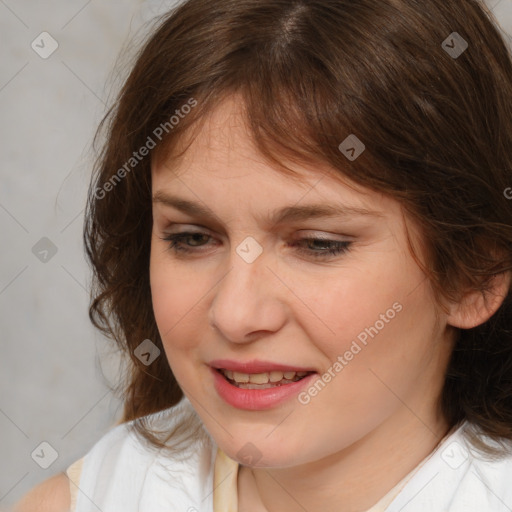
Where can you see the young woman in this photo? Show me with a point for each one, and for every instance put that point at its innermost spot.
(301, 234)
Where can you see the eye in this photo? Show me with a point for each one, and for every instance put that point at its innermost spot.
(316, 248)
(176, 241)
(322, 247)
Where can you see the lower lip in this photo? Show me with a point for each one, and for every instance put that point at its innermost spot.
(257, 399)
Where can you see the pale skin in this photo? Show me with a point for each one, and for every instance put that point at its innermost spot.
(379, 417)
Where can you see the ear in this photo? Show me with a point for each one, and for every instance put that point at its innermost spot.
(476, 307)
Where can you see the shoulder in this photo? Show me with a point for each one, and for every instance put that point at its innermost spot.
(493, 468)
(460, 476)
(124, 469)
(486, 453)
(121, 468)
(52, 495)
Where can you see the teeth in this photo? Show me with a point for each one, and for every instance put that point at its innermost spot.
(262, 378)
(276, 376)
(240, 377)
(259, 378)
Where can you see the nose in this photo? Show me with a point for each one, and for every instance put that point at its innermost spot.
(249, 301)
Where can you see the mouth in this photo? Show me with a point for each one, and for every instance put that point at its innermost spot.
(264, 380)
(258, 385)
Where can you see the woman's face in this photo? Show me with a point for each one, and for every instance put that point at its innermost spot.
(247, 291)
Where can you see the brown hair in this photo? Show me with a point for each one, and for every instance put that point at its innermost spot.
(437, 127)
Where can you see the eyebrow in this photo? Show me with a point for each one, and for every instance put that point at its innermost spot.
(283, 215)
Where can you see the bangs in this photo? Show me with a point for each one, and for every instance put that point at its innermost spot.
(304, 93)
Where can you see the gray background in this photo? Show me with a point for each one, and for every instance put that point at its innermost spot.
(55, 368)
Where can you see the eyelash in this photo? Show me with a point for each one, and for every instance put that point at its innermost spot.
(338, 247)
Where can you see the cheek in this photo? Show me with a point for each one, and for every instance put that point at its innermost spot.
(370, 361)
(176, 304)
(177, 297)
(341, 306)
(379, 316)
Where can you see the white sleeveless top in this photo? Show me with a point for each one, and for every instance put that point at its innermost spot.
(122, 474)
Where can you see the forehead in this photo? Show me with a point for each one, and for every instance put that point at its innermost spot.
(221, 159)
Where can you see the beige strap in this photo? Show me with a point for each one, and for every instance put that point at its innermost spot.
(225, 496)
(74, 471)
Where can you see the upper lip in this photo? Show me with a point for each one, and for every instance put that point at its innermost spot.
(255, 366)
